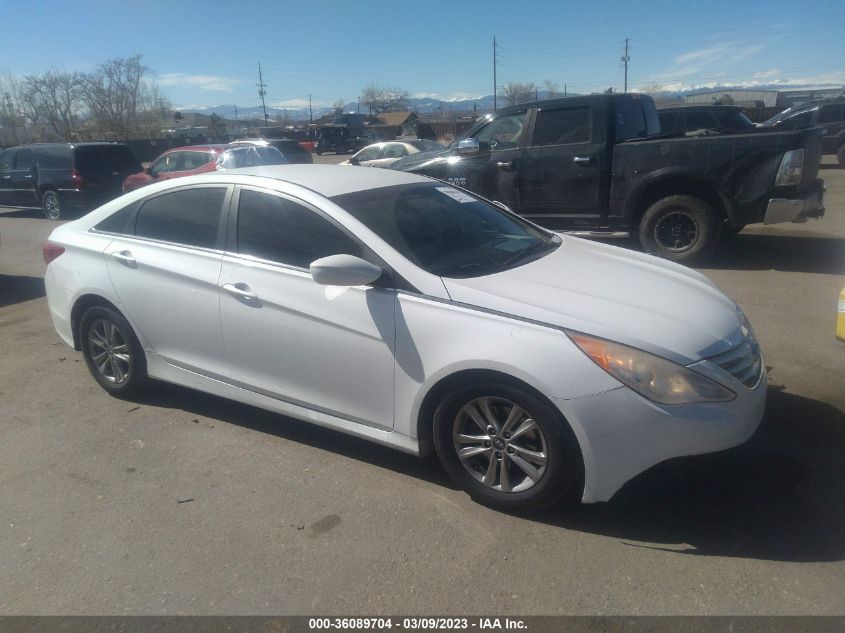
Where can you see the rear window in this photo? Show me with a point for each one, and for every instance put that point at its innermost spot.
(636, 118)
(189, 216)
(107, 158)
(58, 157)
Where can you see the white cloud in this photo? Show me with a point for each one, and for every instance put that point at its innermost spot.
(447, 97)
(211, 83)
(294, 103)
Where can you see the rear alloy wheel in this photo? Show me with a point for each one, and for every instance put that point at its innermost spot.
(680, 228)
(506, 447)
(112, 352)
(51, 206)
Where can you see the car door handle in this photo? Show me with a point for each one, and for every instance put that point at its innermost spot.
(28, 176)
(240, 290)
(582, 159)
(125, 257)
(505, 165)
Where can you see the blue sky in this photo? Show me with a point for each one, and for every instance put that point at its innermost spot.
(207, 53)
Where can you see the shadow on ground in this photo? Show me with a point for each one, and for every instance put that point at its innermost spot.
(18, 288)
(789, 253)
(779, 497)
(15, 212)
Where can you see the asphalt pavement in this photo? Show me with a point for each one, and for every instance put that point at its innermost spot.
(184, 503)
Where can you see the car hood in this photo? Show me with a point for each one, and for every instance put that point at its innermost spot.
(407, 163)
(613, 293)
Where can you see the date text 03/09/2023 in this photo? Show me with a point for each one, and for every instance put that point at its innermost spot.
(416, 624)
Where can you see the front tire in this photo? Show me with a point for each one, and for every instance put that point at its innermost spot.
(680, 228)
(506, 447)
(51, 206)
(112, 352)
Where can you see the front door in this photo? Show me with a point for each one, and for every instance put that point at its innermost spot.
(493, 172)
(7, 165)
(560, 173)
(23, 179)
(322, 347)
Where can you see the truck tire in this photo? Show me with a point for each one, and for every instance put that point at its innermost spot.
(841, 156)
(680, 228)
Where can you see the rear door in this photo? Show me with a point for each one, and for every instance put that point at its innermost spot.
(561, 169)
(103, 168)
(7, 165)
(23, 179)
(165, 271)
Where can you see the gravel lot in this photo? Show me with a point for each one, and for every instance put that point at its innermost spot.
(183, 503)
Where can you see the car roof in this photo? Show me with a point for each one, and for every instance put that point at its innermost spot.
(332, 180)
(201, 148)
(700, 106)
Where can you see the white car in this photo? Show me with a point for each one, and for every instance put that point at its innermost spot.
(387, 153)
(409, 312)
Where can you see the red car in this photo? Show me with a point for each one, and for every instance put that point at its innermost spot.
(175, 163)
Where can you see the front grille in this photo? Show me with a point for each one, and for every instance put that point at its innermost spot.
(742, 361)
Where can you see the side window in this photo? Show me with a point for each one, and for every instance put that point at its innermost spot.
(560, 127)
(279, 230)
(503, 132)
(167, 163)
(695, 121)
(668, 121)
(369, 153)
(119, 221)
(189, 216)
(7, 160)
(394, 150)
(194, 160)
(24, 159)
(831, 114)
(55, 157)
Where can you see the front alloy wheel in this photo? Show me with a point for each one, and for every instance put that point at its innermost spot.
(499, 444)
(507, 446)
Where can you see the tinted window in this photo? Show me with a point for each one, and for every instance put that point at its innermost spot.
(668, 122)
(107, 158)
(167, 163)
(503, 132)
(699, 120)
(800, 120)
(190, 216)
(830, 114)
(7, 160)
(57, 157)
(394, 150)
(194, 160)
(24, 159)
(560, 127)
(119, 221)
(447, 231)
(283, 231)
(734, 120)
(368, 153)
(636, 118)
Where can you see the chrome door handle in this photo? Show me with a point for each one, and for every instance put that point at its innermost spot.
(28, 176)
(582, 159)
(124, 257)
(240, 290)
(505, 165)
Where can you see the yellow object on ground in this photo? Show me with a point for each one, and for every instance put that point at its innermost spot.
(840, 317)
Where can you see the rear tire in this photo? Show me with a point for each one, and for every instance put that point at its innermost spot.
(528, 464)
(680, 228)
(841, 156)
(112, 352)
(51, 206)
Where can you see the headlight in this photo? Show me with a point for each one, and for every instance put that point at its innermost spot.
(655, 378)
(791, 168)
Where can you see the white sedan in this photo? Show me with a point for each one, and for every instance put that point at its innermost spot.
(409, 312)
(387, 153)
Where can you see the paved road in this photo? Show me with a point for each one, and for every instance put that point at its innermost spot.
(184, 503)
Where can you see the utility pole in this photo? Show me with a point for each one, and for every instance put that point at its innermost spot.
(310, 112)
(235, 105)
(494, 73)
(564, 90)
(262, 92)
(625, 59)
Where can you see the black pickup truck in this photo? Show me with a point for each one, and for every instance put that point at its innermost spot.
(600, 164)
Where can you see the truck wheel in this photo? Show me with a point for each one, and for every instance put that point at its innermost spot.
(680, 228)
(50, 205)
(841, 156)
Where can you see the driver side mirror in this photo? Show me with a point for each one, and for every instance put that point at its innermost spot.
(468, 146)
(344, 270)
(150, 172)
(354, 161)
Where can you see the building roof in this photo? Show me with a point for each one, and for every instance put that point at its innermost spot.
(396, 118)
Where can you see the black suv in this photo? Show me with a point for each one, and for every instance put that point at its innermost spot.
(703, 119)
(64, 177)
(827, 114)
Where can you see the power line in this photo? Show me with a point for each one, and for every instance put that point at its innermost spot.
(625, 59)
(494, 73)
(262, 92)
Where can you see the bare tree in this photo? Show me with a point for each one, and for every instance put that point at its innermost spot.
(119, 97)
(57, 97)
(651, 89)
(518, 92)
(379, 99)
(551, 89)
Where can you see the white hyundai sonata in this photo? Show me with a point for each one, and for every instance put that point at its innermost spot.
(414, 314)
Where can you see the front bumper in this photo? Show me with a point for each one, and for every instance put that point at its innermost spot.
(622, 434)
(809, 204)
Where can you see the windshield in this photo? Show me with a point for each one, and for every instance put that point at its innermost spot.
(250, 156)
(447, 231)
(734, 120)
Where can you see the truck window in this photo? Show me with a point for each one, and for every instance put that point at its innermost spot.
(701, 120)
(502, 132)
(636, 118)
(831, 114)
(563, 126)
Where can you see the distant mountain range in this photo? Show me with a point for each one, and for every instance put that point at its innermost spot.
(431, 106)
